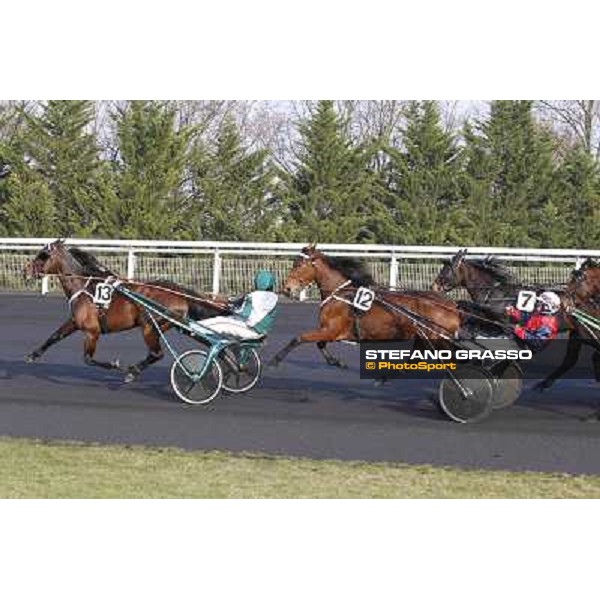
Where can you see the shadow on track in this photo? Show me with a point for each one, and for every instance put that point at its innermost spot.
(80, 377)
(282, 389)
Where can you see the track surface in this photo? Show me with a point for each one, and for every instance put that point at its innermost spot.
(304, 408)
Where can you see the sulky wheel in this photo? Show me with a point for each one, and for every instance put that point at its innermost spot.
(189, 389)
(241, 368)
(508, 383)
(466, 394)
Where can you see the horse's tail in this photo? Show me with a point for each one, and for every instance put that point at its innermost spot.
(199, 309)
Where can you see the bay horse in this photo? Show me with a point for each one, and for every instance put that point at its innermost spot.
(79, 272)
(337, 280)
(491, 287)
(583, 292)
(486, 280)
(489, 283)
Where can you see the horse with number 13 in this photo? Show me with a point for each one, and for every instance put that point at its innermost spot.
(81, 277)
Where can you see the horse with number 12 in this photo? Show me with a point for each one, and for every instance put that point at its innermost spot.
(383, 315)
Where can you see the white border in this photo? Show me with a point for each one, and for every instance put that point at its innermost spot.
(298, 549)
(274, 50)
(268, 49)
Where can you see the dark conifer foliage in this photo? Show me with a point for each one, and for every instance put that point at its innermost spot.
(346, 172)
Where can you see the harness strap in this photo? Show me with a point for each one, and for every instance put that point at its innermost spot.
(357, 327)
(333, 296)
(102, 318)
(78, 293)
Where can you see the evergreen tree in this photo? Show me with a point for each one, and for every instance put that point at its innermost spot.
(510, 179)
(329, 193)
(578, 196)
(234, 187)
(149, 172)
(60, 148)
(11, 163)
(422, 179)
(29, 210)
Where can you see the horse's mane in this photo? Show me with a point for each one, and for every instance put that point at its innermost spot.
(589, 263)
(355, 270)
(90, 264)
(491, 266)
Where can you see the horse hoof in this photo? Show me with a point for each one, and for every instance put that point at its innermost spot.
(115, 364)
(593, 418)
(339, 365)
(31, 358)
(129, 377)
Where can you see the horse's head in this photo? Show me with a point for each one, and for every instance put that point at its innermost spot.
(585, 281)
(451, 276)
(47, 261)
(303, 271)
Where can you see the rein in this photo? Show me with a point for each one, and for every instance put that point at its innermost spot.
(414, 317)
(419, 321)
(133, 282)
(588, 321)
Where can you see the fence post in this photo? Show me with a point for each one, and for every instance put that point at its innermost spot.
(130, 264)
(393, 271)
(45, 284)
(216, 272)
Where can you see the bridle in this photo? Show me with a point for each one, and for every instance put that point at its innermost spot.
(46, 254)
(311, 260)
(453, 264)
(333, 295)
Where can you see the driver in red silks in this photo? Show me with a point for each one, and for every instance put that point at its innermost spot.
(539, 326)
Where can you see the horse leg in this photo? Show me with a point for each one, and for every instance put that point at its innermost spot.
(65, 330)
(569, 361)
(155, 352)
(284, 352)
(89, 349)
(317, 336)
(330, 359)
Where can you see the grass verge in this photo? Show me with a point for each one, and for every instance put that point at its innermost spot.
(36, 469)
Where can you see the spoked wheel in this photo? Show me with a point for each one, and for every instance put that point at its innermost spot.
(241, 368)
(189, 389)
(508, 383)
(466, 394)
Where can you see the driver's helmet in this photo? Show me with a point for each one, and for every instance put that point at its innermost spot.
(548, 303)
(264, 281)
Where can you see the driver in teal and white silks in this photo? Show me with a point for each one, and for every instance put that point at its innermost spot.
(253, 314)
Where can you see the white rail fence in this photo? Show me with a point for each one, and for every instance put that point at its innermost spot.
(228, 267)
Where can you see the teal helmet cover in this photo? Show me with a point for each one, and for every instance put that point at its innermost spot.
(264, 280)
